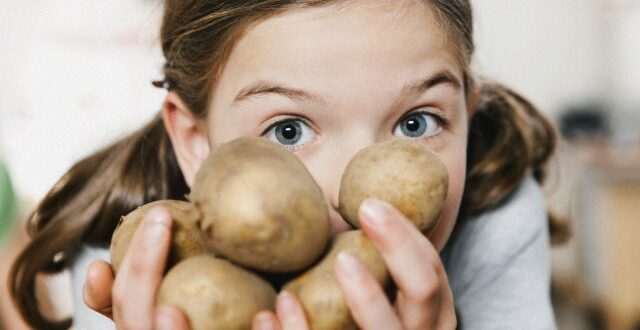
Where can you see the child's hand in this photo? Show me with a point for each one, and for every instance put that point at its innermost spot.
(129, 299)
(424, 299)
(289, 315)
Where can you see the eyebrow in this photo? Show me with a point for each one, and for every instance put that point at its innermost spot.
(264, 87)
(421, 86)
(268, 87)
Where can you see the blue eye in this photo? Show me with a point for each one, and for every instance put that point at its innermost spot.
(418, 124)
(291, 133)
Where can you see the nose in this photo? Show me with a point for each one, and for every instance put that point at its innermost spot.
(328, 167)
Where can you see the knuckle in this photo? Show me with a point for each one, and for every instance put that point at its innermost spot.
(138, 265)
(366, 298)
(427, 291)
(367, 295)
(433, 269)
(438, 268)
(369, 292)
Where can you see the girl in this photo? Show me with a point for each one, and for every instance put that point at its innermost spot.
(323, 78)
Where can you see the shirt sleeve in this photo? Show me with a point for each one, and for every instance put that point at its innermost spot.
(499, 265)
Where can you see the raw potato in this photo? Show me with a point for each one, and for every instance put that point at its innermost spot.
(255, 204)
(401, 172)
(261, 208)
(187, 238)
(319, 291)
(215, 294)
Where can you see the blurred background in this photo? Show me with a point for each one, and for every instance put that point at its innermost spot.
(70, 67)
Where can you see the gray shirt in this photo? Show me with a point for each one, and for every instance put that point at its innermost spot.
(498, 265)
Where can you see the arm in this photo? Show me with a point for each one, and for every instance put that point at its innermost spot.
(499, 265)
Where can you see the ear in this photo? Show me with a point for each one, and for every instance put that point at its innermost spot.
(188, 135)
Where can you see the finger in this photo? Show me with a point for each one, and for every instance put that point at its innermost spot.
(415, 315)
(141, 271)
(411, 313)
(170, 318)
(290, 312)
(266, 321)
(413, 262)
(441, 314)
(448, 318)
(97, 287)
(364, 296)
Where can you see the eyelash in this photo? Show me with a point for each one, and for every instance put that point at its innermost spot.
(286, 120)
(441, 120)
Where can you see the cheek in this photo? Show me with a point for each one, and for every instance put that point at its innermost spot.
(456, 164)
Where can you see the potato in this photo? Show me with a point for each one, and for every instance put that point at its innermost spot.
(319, 291)
(187, 239)
(261, 208)
(403, 173)
(215, 294)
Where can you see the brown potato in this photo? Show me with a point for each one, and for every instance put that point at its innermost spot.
(261, 207)
(215, 294)
(318, 288)
(187, 239)
(403, 173)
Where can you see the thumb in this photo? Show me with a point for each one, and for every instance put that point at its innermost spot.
(97, 287)
(170, 318)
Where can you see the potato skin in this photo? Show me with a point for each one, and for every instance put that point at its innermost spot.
(261, 207)
(318, 288)
(187, 239)
(215, 294)
(403, 173)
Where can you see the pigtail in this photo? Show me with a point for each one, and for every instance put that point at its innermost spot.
(85, 206)
(508, 139)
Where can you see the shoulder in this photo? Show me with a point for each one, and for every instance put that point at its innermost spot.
(496, 236)
(499, 264)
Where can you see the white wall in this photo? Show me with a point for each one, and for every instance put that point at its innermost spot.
(560, 53)
(554, 52)
(75, 74)
(625, 36)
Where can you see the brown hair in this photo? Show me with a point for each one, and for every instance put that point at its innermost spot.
(508, 137)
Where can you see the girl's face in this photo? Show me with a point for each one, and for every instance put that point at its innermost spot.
(326, 82)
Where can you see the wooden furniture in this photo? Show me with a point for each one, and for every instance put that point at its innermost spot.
(607, 227)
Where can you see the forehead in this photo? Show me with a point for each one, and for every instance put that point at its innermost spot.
(341, 44)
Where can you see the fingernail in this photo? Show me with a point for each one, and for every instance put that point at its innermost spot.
(263, 321)
(285, 302)
(348, 263)
(374, 211)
